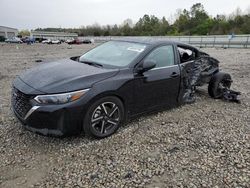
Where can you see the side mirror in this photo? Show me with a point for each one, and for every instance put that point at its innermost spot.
(146, 65)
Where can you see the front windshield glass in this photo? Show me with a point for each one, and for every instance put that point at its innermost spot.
(114, 53)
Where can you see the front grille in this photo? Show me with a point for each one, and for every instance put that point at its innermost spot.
(20, 102)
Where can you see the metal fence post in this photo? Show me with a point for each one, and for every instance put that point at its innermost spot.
(229, 41)
(214, 41)
(247, 41)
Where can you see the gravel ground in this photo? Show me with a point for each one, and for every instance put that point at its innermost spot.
(205, 144)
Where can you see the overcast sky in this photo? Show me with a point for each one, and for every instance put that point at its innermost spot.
(31, 14)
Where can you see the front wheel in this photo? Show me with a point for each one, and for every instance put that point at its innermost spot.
(218, 84)
(104, 117)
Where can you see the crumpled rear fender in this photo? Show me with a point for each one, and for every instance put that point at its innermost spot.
(196, 73)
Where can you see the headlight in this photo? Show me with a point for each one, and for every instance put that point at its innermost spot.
(60, 98)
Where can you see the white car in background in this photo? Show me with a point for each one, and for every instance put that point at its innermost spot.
(14, 40)
(56, 42)
(69, 41)
(48, 41)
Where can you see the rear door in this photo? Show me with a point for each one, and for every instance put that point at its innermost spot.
(159, 86)
(189, 72)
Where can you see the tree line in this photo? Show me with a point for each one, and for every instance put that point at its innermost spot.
(195, 21)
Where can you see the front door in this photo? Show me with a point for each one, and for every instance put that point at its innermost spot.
(159, 86)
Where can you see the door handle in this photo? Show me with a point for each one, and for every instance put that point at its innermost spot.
(174, 74)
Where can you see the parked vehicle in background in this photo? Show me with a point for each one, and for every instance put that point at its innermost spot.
(69, 41)
(40, 39)
(47, 41)
(56, 42)
(2, 38)
(75, 41)
(14, 40)
(86, 41)
(28, 40)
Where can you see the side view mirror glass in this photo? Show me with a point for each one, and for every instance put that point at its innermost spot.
(146, 65)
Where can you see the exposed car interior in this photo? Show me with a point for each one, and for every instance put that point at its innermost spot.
(187, 54)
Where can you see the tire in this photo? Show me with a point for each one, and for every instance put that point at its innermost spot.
(218, 83)
(103, 117)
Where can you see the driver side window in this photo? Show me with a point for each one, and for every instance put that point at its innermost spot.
(163, 56)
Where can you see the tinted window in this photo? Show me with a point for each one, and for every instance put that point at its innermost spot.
(163, 56)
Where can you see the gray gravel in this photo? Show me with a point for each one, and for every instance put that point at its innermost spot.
(205, 144)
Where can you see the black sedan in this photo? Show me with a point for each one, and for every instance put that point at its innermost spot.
(117, 80)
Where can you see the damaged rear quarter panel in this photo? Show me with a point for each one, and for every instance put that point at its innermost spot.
(196, 73)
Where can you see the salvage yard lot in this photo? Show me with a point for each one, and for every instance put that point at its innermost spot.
(202, 144)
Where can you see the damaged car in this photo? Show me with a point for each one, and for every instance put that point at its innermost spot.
(117, 80)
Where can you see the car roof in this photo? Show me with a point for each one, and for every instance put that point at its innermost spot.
(151, 41)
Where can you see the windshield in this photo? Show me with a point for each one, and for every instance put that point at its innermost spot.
(114, 53)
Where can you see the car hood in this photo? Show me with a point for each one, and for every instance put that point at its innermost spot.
(64, 76)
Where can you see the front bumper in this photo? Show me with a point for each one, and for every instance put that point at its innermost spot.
(53, 120)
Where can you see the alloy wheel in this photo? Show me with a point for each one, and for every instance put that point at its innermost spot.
(105, 117)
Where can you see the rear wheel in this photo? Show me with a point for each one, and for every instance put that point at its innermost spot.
(218, 84)
(104, 117)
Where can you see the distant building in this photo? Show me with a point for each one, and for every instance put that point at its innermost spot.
(8, 32)
(52, 35)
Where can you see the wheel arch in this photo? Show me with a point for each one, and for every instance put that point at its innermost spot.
(85, 128)
(109, 94)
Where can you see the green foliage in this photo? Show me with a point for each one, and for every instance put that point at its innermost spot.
(195, 21)
(24, 33)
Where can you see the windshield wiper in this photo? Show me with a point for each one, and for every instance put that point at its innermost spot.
(92, 63)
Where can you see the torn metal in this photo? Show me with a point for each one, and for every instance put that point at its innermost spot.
(231, 95)
(199, 71)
